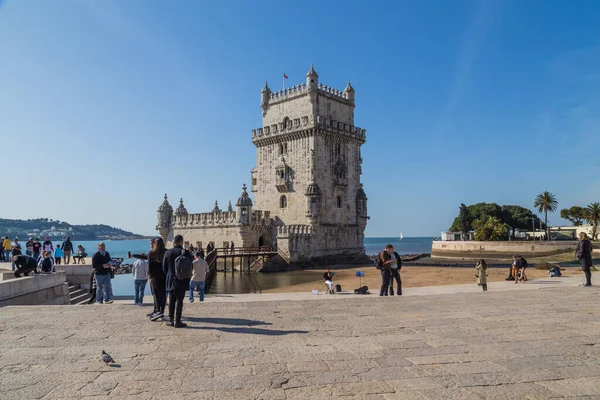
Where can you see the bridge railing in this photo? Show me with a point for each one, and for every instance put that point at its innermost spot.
(211, 260)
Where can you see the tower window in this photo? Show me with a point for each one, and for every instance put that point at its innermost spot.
(339, 201)
(283, 202)
(282, 149)
(338, 149)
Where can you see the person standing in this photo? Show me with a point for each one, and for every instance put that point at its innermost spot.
(232, 247)
(157, 278)
(47, 246)
(515, 268)
(176, 261)
(15, 251)
(67, 247)
(58, 254)
(481, 269)
(199, 276)
(385, 260)
(36, 248)
(29, 247)
(100, 264)
(395, 273)
(584, 255)
(7, 247)
(139, 270)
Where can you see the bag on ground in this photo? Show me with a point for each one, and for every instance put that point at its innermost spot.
(184, 266)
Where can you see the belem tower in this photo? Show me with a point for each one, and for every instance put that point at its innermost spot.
(309, 203)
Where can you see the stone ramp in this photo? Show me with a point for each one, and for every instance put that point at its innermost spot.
(501, 344)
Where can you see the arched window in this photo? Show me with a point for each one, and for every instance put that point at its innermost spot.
(280, 149)
(339, 201)
(283, 202)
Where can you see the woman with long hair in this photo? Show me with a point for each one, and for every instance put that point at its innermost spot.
(157, 278)
(584, 255)
(481, 268)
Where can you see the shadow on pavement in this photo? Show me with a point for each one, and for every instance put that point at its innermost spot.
(228, 321)
(253, 331)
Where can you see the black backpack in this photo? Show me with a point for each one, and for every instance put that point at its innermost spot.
(378, 262)
(184, 266)
(46, 265)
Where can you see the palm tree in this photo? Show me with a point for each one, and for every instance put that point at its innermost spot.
(592, 215)
(546, 202)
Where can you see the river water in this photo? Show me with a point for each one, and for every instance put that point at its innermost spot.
(226, 283)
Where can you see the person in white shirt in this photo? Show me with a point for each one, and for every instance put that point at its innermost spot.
(198, 276)
(139, 271)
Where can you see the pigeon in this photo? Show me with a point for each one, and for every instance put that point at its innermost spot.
(107, 358)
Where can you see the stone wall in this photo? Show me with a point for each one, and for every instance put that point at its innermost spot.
(77, 274)
(35, 290)
(504, 249)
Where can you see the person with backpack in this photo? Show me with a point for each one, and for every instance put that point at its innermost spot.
(178, 268)
(386, 258)
(523, 266)
(46, 264)
(67, 247)
(395, 273)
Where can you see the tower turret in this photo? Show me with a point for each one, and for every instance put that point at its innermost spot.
(349, 92)
(165, 219)
(181, 210)
(265, 96)
(244, 207)
(312, 78)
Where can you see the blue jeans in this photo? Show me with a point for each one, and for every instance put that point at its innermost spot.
(197, 285)
(7, 256)
(102, 286)
(140, 286)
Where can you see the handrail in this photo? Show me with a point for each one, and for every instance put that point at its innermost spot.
(211, 260)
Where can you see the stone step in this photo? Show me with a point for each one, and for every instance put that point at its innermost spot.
(75, 293)
(80, 299)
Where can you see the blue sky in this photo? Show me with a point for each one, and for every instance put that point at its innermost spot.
(106, 105)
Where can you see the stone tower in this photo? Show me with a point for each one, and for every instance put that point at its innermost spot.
(308, 168)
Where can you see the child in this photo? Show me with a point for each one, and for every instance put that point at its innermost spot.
(58, 254)
(481, 268)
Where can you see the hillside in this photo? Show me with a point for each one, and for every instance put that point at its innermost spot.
(41, 227)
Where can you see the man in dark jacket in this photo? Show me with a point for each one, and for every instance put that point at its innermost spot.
(395, 274)
(100, 264)
(24, 265)
(584, 256)
(175, 287)
(67, 247)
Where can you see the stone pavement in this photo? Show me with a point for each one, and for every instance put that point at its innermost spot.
(519, 344)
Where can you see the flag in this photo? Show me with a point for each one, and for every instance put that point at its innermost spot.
(285, 76)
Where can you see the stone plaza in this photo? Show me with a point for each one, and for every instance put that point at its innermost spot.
(531, 341)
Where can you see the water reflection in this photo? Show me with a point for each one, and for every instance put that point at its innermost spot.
(254, 282)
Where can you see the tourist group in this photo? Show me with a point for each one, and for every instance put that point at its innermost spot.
(38, 257)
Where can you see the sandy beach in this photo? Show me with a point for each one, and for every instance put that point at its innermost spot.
(414, 277)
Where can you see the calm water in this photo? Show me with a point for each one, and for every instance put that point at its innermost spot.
(248, 283)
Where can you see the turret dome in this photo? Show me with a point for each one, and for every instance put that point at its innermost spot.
(165, 206)
(180, 209)
(244, 200)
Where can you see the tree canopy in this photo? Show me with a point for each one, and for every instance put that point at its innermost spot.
(490, 228)
(576, 215)
(514, 216)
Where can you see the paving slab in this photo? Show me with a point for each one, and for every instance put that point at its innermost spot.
(529, 343)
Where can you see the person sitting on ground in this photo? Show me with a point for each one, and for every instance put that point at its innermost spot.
(522, 266)
(81, 255)
(328, 276)
(24, 265)
(481, 268)
(45, 263)
(58, 254)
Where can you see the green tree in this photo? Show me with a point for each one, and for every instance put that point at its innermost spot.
(575, 214)
(592, 215)
(546, 202)
(490, 228)
(464, 220)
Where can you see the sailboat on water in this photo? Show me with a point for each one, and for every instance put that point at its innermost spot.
(401, 236)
